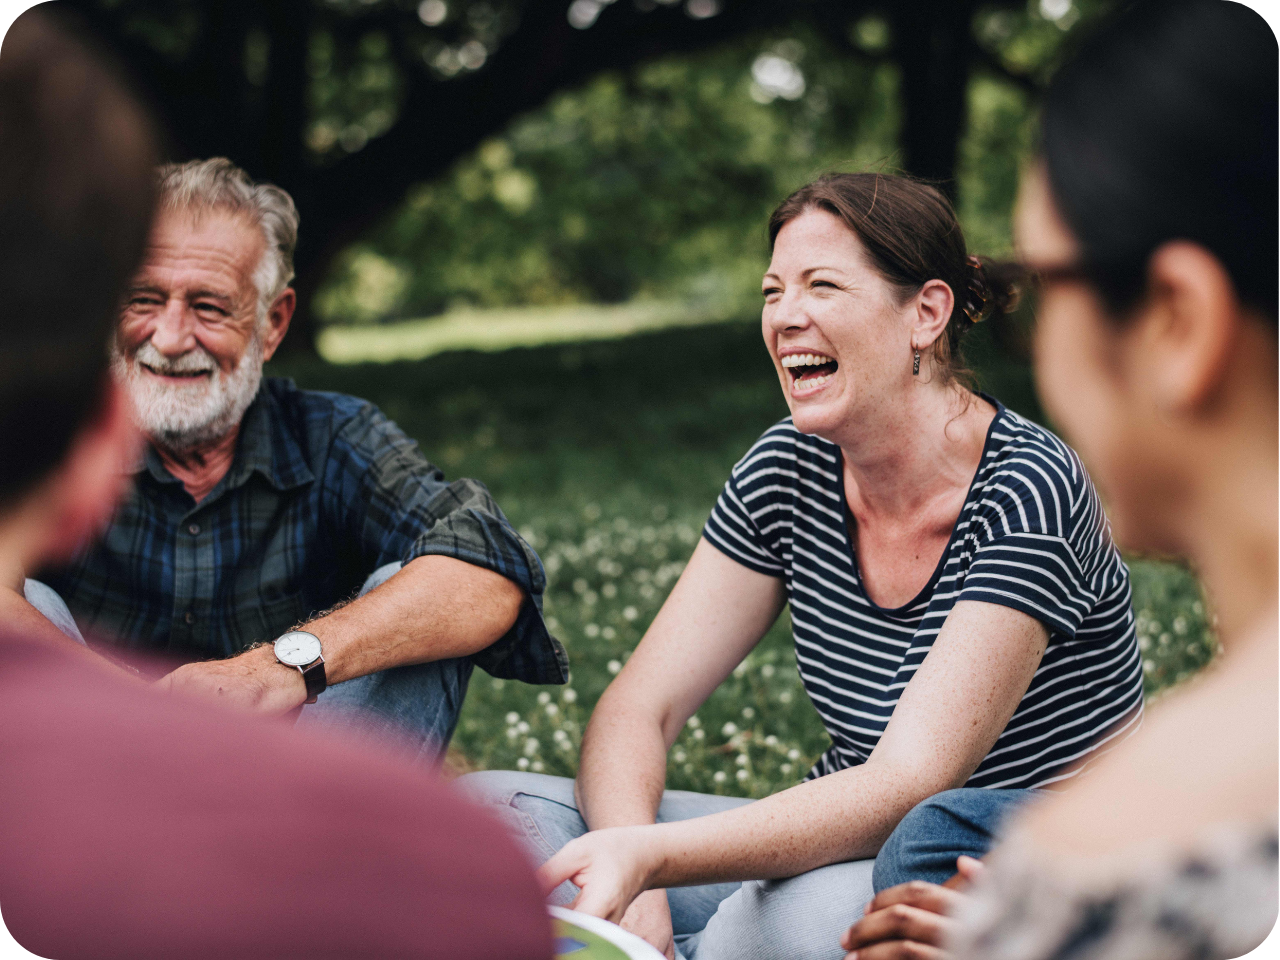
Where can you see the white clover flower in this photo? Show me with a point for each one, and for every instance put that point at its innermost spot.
(608, 633)
(530, 747)
(742, 775)
(523, 763)
(609, 590)
(551, 709)
(771, 741)
(522, 726)
(748, 712)
(766, 671)
(592, 630)
(699, 734)
(630, 613)
(742, 760)
(784, 696)
(688, 768)
(570, 695)
(613, 666)
(729, 729)
(719, 776)
(679, 756)
(559, 736)
(512, 733)
(793, 754)
(693, 722)
(537, 766)
(785, 768)
(740, 669)
(513, 718)
(544, 697)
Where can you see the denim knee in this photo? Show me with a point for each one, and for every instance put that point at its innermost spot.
(954, 823)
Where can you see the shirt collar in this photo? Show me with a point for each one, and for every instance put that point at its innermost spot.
(266, 446)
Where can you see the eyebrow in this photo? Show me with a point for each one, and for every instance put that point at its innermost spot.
(210, 295)
(804, 273)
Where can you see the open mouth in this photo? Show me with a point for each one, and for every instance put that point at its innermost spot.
(177, 374)
(809, 370)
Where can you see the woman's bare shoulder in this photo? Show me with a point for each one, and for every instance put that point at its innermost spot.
(1206, 756)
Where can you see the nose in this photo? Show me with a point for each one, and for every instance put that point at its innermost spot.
(174, 333)
(789, 313)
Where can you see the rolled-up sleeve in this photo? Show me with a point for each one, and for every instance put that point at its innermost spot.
(398, 506)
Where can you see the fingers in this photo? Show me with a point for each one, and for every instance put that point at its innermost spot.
(563, 866)
(916, 893)
(970, 868)
(898, 950)
(899, 921)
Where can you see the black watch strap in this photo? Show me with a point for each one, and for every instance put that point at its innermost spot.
(315, 679)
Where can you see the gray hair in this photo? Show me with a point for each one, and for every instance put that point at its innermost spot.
(218, 183)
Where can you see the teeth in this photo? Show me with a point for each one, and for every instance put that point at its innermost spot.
(806, 360)
(809, 383)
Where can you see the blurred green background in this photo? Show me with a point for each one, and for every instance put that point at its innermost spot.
(571, 315)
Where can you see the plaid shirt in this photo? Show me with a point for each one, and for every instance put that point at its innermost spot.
(323, 490)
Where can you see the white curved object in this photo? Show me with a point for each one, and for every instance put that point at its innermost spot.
(629, 943)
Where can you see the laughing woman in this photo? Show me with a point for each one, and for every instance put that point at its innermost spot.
(961, 616)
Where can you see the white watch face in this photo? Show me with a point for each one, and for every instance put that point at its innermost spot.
(297, 649)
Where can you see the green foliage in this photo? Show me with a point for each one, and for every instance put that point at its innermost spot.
(653, 183)
(608, 457)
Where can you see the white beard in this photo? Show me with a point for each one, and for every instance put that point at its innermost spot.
(182, 416)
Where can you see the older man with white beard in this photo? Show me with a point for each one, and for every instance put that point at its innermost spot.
(259, 506)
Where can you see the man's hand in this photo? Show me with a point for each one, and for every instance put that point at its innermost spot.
(255, 681)
(649, 917)
(910, 921)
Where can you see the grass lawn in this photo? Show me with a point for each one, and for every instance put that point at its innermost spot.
(608, 456)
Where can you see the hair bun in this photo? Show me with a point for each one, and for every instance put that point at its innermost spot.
(993, 288)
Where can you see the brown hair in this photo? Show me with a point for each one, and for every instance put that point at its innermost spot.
(909, 230)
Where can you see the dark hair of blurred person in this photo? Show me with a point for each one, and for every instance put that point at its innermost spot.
(132, 825)
(1150, 218)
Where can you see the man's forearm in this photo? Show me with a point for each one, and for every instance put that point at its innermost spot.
(435, 608)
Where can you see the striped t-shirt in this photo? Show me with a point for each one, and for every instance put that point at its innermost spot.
(1031, 535)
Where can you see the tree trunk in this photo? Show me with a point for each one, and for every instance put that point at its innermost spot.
(933, 47)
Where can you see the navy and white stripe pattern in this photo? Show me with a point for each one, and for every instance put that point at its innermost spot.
(1031, 536)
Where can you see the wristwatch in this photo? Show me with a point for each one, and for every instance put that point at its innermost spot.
(301, 650)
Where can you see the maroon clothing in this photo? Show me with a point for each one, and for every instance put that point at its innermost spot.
(135, 826)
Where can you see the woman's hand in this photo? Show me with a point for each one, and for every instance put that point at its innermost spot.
(910, 921)
(611, 867)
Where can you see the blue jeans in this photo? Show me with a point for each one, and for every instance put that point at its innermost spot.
(414, 709)
(799, 918)
(925, 845)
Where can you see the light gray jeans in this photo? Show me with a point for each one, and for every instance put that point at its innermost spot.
(413, 709)
(801, 918)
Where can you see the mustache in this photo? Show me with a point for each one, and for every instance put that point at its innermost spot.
(194, 361)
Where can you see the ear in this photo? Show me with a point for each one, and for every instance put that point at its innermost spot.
(1190, 327)
(933, 306)
(85, 489)
(278, 318)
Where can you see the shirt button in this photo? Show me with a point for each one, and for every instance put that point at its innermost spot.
(193, 529)
(190, 617)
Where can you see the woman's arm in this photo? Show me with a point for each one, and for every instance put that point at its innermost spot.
(717, 612)
(946, 721)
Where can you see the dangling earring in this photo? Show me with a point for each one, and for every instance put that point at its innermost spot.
(915, 365)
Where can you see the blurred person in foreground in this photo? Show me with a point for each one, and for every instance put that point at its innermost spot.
(260, 509)
(960, 613)
(132, 826)
(1150, 218)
